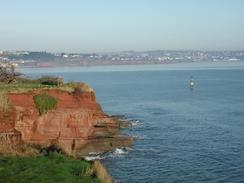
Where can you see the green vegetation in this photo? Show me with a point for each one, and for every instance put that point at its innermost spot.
(44, 102)
(24, 87)
(22, 84)
(52, 168)
(27, 84)
(44, 80)
(51, 81)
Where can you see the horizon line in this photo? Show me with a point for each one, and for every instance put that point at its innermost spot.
(121, 51)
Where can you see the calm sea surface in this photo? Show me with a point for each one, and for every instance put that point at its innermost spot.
(182, 135)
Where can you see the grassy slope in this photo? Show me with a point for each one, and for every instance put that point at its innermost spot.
(26, 84)
(23, 87)
(53, 168)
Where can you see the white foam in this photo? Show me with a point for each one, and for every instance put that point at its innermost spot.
(120, 151)
(134, 123)
(91, 158)
(117, 152)
(93, 153)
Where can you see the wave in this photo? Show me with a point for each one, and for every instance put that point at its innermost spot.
(94, 156)
(120, 152)
(117, 152)
(91, 158)
(135, 123)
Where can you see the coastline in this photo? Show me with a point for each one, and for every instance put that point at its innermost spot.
(134, 67)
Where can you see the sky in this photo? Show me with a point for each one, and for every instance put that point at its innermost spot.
(121, 25)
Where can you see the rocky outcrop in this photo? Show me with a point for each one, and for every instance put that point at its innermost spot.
(77, 125)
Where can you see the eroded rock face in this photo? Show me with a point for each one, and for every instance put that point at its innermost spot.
(7, 131)
(77, 125)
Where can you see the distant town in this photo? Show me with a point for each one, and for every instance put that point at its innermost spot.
(48, 59)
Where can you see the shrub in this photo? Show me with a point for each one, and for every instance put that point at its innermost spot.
(44, 102)
(50, 80)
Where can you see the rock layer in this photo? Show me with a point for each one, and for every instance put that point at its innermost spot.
(77, 125)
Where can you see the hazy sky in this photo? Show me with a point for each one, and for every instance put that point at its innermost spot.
(117, 25)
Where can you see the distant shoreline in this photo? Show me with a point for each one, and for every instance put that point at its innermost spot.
(141, 67)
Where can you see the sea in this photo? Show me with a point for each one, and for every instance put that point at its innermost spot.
(182, 134)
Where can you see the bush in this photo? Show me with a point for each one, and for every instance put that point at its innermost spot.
(50, 80)
(44, 103)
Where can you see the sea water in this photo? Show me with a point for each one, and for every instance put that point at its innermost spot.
(182, 134)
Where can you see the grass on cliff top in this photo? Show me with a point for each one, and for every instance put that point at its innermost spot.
(45, 82)
(52, 168)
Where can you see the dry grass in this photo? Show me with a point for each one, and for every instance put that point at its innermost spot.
(22, 87)
(90, 171)
(4, 103)
(17, 150)
(101, 173)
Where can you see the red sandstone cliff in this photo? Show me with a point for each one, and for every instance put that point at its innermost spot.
(77, 125)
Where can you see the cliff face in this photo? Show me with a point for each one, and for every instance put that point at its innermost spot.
(77, 125)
